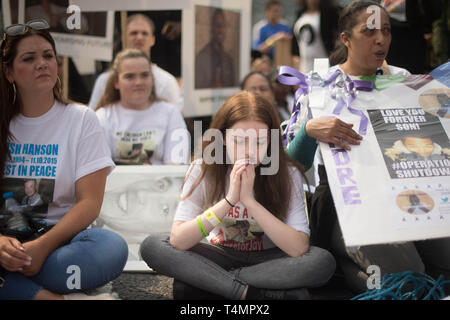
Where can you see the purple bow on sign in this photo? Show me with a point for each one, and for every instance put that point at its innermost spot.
(344, 91)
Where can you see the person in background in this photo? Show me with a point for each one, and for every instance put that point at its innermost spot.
(410, 21)
(140, 128)
(259, 83)
(315, 31)
(140, 35)
(273, 31)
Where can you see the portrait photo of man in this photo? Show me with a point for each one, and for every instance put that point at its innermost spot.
(216, 62)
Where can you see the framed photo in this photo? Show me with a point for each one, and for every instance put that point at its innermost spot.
(119, 5)
(76, 33)
(216, 47)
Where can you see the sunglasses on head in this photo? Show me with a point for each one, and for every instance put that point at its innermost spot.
(20, 29)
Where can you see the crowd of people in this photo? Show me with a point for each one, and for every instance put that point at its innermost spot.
(262, 241)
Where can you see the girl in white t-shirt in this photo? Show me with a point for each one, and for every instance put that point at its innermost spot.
(140, 129)
(47, 252)
(251, 209)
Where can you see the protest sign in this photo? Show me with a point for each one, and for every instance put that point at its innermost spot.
(394, 186)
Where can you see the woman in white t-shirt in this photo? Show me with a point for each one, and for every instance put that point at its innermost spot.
(140, 129)
(251, 209)
(48, 252)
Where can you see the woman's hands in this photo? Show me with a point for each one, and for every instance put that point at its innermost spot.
(247, 183)
(39, 253)
(333, 130)
(26, 258)
(242, 179)
(12, 255)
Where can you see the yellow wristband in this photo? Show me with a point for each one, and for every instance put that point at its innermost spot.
(212, 218)
(269, 42)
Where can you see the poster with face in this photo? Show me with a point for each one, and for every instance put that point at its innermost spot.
(394, 186)
(215, 52)
(140, 201)
(76, 33)
(413, 142)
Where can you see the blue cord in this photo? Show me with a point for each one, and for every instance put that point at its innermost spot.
(408, 285)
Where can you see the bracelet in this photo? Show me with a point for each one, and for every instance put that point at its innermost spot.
(232, 205)
(200, 226)
(212, 218)
(269, 42)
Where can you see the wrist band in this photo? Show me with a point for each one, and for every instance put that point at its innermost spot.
(269, 42)
(232, 205)
(212, 218)
(200, 226)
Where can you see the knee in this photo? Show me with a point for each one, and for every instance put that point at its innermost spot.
(150, 249)
(115, 254)
(324, 263)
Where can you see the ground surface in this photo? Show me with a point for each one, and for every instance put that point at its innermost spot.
(153, 286)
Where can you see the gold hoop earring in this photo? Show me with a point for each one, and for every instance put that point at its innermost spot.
(15, 92)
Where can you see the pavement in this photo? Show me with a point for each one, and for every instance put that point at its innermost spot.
(143, 286)
(153, 286)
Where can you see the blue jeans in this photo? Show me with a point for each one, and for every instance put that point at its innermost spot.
(98, 255)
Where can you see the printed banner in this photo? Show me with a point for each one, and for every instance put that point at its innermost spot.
(394, 186)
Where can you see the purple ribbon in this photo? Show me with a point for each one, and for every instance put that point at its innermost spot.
(292, 77)
(351, 87)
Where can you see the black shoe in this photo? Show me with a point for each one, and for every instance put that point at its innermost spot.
(184, 291)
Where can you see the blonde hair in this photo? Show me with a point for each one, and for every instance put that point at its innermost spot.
(111, 95)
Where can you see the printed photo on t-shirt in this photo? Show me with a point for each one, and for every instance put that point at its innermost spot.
(136, 148)
(25, 198)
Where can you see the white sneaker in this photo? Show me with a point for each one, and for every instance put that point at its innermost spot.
(82, 296)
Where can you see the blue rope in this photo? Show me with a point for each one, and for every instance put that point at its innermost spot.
(408, 285)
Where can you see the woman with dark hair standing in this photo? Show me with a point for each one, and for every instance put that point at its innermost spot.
(44, 136)
(361, 50)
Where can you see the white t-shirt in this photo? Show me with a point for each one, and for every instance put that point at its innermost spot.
(238, 228)
(166, 87)
(156, 135)
(55, 149)
(309, 40)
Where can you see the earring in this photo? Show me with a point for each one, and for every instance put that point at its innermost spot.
(15, 92)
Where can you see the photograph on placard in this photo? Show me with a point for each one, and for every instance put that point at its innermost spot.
(217, 49)
(413, 142)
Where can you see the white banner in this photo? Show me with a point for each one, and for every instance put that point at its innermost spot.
(118, 5)
(216, 50)
(395, 186)
(139, 201)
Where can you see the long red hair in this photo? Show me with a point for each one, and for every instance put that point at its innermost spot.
(271, 191)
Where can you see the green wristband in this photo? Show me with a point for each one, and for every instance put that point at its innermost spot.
(200, 226)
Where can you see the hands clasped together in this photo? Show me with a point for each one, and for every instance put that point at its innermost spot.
(242, 178)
